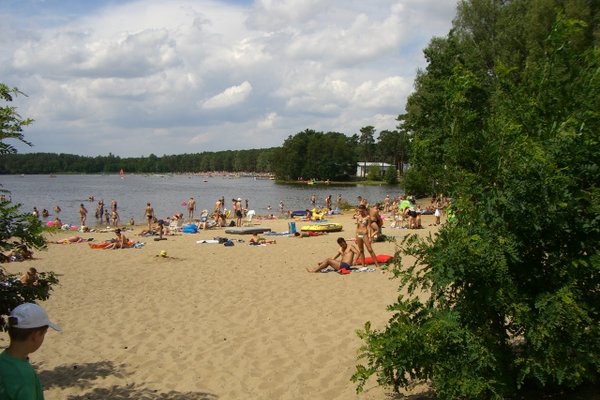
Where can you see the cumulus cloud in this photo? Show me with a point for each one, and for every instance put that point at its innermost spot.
(229, 97)
(183, 74)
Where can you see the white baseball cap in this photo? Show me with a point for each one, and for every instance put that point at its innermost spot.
(30, 315)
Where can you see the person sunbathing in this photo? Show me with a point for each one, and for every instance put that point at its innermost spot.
(255, 240)
(72, 239)
(120, 243)
(346, 253)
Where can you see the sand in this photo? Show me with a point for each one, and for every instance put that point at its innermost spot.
(208, 322)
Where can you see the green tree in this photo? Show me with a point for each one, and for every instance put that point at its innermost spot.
(11, 123)
(392, 147)
(391, 177)
(508, 296)
(17, 230)
(366, 145)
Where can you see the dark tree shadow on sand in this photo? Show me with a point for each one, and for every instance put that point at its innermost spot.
(83, 376)
(80, 375)
(136, 392)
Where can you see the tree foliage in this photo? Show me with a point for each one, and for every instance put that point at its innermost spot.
(11, 123)
(316, 155)
(505, 119)
(17, 229)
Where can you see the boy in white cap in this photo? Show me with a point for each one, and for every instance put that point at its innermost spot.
(27, 326)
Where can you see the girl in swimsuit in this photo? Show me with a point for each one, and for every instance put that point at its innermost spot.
(362, 236)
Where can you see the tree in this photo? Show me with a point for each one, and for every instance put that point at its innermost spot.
(17, 229)
(391, 177)
(392, 146)
(310, 154)
(11, 123)
(508, 296)
(366, 145)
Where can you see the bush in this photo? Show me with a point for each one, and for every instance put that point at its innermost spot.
(416, 183)
(391, 177)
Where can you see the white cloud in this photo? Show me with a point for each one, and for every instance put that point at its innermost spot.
(229, 97)
(268, 121)
(183, 74)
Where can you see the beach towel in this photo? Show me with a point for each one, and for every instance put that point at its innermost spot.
(381, 258)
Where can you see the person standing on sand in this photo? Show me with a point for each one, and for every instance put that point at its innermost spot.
(237, 208)
(363, 238)
(82, 214)
(149, 212)
(217, 211)
(345, 252)
(191, 206)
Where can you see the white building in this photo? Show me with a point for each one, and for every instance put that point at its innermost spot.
(362, 168)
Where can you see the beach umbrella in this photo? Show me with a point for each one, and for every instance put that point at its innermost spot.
(404, 204)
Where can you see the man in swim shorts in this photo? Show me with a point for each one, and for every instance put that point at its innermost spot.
(346, 254)
(191, 206)
(237, 208)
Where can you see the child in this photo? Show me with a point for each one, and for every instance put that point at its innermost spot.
(30, 277)
(27, 326)
(255, 240)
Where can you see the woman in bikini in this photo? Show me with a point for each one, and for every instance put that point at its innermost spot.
(149, 215)
(363, 238)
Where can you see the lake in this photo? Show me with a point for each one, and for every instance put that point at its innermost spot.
(167, 193)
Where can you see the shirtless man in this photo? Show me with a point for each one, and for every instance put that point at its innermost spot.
(345, 253)
(237, 209)
(82, 214)
(375, 222)
(191, 206)
(362, 235)
(71, 239)
(149, 212)
(121, 243)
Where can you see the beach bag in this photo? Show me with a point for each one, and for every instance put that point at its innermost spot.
(190, 228)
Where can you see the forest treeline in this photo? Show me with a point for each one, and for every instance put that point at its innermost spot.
(307, 154)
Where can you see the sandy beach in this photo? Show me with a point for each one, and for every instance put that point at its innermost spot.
(209, 321)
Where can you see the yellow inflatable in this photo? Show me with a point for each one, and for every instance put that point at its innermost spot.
(332, 227)
(318, 216)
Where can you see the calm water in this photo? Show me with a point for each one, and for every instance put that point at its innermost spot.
(167, 193)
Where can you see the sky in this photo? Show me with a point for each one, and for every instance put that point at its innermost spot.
(141, 77)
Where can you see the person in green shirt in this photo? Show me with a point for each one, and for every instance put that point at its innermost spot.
(27, 327)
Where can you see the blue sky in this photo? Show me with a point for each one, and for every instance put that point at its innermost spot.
(138, 77)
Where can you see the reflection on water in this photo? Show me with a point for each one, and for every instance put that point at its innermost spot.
(168, 193)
